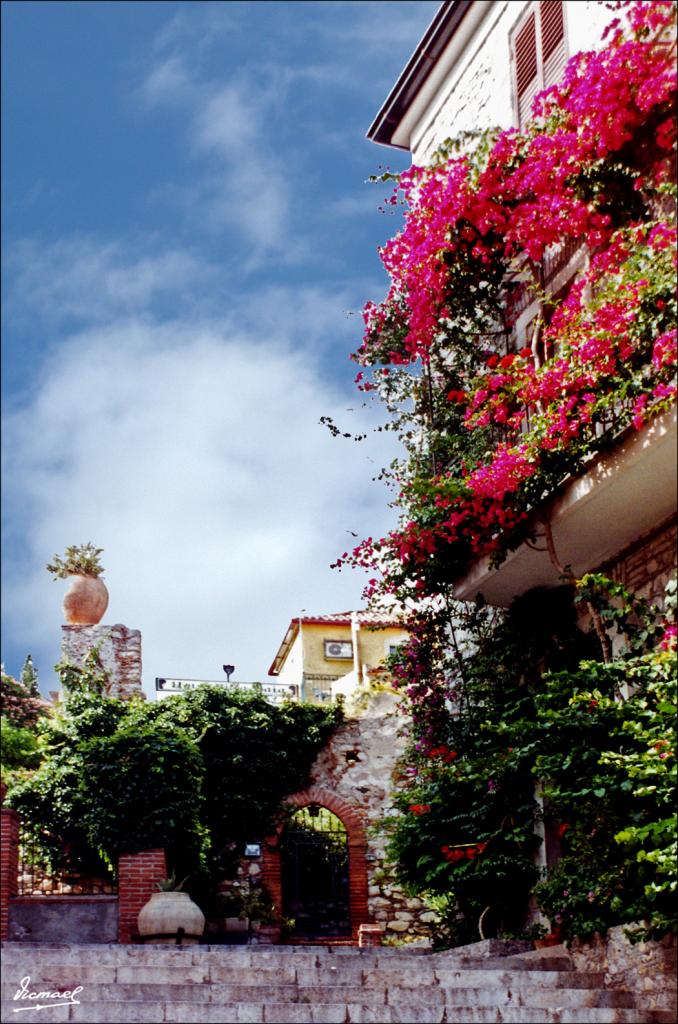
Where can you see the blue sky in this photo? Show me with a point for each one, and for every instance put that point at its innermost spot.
(188, 240)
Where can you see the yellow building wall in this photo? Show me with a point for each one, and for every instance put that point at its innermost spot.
(306, 657)
(374, 644)
(373, 647)
(314, 637)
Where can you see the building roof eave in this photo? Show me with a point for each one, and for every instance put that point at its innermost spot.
(411, 80)
(366, 620)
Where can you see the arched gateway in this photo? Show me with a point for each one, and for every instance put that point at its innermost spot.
(278, 865)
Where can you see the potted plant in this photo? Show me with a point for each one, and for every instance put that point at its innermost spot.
(257, 907)
(552, 938)
(258, 913)
(86, 599)
(264, 922)
(171, 916)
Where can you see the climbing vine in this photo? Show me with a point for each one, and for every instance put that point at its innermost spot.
(199, 774)
(492, 422)
(500, 389)
(523, 706)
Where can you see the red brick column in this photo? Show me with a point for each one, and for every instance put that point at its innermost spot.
(271, 871)
(357, 883)
(137, 875)
(9, 863)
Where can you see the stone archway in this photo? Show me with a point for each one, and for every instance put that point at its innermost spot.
(357, 851)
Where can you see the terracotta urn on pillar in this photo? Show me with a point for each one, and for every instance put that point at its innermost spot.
(86, 599)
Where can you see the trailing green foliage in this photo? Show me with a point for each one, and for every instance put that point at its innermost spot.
(197, 774)
(466, 833)
(22, 711)
(527, 704)
(19, 747)
(610, 778)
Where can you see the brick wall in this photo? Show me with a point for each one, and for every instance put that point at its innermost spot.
(137, 875)
(270, 867)
(9, 865)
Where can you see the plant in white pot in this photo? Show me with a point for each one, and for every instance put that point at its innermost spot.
(171, 916)
(86, 599)
(263, 919)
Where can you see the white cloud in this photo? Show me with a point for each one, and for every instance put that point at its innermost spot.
(378, 27)
(199, 28)
(242, 183)
(80, 278)
(168, 82)
(233, 120)
(192, 454)
(229, 120)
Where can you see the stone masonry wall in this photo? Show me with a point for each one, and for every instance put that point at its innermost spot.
(119, 653)
(646, 565)
(358, 765)
(646, 968)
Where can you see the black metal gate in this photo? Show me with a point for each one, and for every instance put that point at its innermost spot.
(314, 863)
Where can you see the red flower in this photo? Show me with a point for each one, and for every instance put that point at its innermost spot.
(507, 361)
(492, 360)
(456, 396)
(442, 751)
(526, 352)
(420, 808)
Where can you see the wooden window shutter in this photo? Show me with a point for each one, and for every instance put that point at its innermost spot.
(527, 76)
(552, 34)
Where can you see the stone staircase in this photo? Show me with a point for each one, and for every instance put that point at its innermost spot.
(307, 985)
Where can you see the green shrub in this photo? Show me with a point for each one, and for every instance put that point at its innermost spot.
(19, 746)
(198, 774)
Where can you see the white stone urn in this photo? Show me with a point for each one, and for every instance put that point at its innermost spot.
(85, 601)
(166, 912)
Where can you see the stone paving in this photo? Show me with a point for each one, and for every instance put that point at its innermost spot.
(305, 985)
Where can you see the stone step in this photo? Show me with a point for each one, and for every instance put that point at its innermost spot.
(312, 985)
(369, 975)
(305, 982)
(377, 995)
(141, 1012)
(99, 953)
(106, 953)
(257, 957)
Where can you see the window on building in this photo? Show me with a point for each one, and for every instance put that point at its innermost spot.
(539, 53)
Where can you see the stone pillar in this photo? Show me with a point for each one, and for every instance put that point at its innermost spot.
(9, 863)
(137, 875)
(119, 652)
